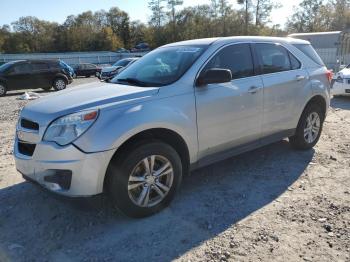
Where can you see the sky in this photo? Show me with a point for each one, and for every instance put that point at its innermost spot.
(57, 11)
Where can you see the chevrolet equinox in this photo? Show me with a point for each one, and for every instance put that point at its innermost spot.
(180, 107)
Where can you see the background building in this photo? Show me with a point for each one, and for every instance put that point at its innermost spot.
(332, 47)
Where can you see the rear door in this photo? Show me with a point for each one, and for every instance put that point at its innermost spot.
(90, 69)
(20, 77)
(41, 74)
(283, 78)
(81, 69)
(230, 114)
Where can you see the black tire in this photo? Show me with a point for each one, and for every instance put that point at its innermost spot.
(298, 141)
(3, 89)
(122, 166)
(59, 84)
(47, 88)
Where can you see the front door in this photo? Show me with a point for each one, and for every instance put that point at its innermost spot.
(230, 114)
(19, 76)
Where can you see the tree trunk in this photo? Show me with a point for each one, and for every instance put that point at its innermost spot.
(246, 16)
(257, 11)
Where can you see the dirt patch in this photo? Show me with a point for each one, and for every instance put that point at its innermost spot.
(272, 204)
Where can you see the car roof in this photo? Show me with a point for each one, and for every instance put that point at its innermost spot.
(233, 39)
(42, 60)
(129, 59)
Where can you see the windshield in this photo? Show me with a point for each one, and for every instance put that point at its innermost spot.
(5, 66)
(65, 65)
(122, 62)
(160, 67)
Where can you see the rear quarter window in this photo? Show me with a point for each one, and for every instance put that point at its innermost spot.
(310, 52)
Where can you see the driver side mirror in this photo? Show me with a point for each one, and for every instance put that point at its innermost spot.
(214, 76)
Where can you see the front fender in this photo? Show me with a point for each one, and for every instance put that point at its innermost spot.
(115, 126)
(61, 75)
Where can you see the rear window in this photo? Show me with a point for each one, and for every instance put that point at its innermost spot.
(310, 52)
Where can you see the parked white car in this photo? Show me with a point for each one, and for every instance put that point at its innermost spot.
(341, 86)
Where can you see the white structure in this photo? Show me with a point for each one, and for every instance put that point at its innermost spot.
(71, 58)
(332, 47)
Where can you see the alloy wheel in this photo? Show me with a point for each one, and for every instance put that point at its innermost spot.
(312, 127)
(60, 84)
(150, 181)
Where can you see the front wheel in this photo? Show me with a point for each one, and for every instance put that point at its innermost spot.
(144, 180)
(59, 84)
(309, 128)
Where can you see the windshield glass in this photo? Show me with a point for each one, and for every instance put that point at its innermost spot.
(160, 67)
(5, 66)
(122, 62)
(64, 64)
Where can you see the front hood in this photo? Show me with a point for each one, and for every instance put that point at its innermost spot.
(109, 69)
(93, 95)
(345, 73)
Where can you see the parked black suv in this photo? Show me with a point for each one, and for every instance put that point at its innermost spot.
(86, 70)
(30, 74)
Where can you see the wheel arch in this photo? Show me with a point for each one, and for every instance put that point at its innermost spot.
(3, 81)
(60, 76)
(165, 135)
(317, 100)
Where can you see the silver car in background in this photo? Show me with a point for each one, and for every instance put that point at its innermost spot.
(109, 72)
(180, 107)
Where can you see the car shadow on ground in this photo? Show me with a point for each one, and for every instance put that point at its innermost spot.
(342, 102)
(37, 225)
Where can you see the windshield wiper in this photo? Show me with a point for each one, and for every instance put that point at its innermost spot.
(134, 81)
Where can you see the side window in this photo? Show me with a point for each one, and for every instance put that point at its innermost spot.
(39, 66)
(91, 67)
(273, 58)
(237, 58)
(22, 68)
(294, 62)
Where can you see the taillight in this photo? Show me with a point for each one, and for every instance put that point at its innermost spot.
(329, 75)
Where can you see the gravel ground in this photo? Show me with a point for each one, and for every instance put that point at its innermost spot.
(270, 204)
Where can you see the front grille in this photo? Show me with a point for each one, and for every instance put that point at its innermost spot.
(25, 123)
(26, 148)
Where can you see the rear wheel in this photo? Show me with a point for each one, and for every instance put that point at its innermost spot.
(309, 128)
(3, 89)
(145, 179)
(59, 84)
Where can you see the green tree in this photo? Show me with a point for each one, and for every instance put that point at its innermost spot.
(263, 10)
(306, 17)
(246, 9)
(119, 21)
(172, 4)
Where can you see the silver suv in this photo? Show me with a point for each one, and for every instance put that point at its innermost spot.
(180, 107)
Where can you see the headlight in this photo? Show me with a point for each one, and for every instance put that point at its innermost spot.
(66, 129)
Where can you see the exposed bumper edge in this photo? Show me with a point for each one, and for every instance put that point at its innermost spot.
(88, 170)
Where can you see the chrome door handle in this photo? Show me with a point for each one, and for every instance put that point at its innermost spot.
(254, 89)
(300, 77)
